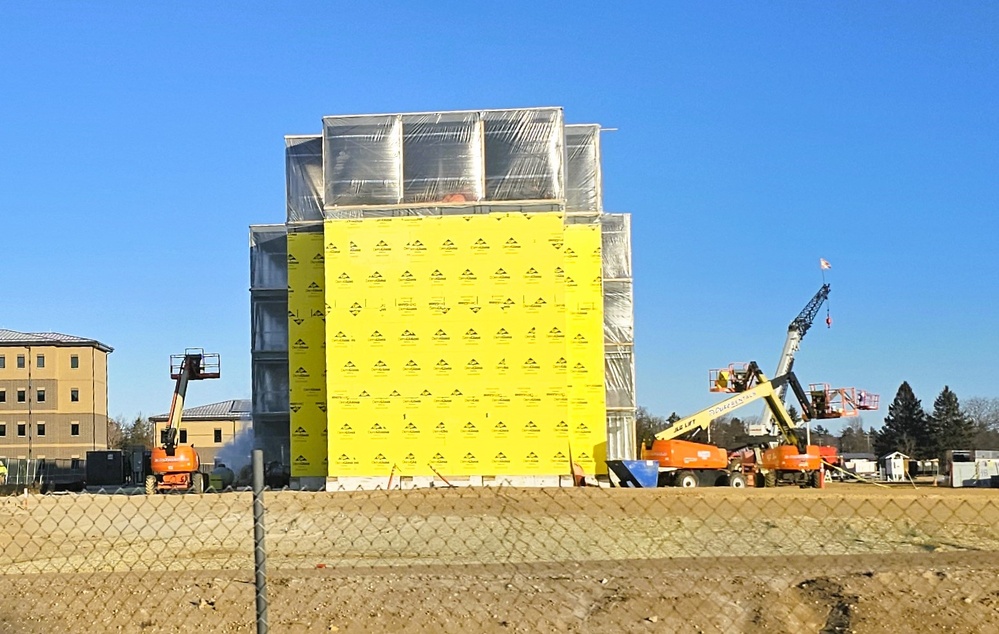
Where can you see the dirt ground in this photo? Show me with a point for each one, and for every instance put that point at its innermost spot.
(850, 558)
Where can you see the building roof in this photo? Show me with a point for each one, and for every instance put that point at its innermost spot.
(235, 409)
(15, 338)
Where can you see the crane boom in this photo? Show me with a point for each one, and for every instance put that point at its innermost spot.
(796, 331)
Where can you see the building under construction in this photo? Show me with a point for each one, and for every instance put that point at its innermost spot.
(445, 300)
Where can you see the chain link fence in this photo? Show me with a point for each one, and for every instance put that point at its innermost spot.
(847, 558)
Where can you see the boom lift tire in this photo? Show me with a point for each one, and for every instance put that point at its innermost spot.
(198, 482)
(686, 480)
(150, 485)
(770, 479)
(815, 479)
(737, 481)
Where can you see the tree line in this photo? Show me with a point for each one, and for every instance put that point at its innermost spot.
(907, 427)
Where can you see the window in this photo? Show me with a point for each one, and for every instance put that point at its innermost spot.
(163, 437)
(20, 361)
(218, 436)
(21, 429)
(3, 396)
(3, 362)
(41, 428)
(74, 361)
(40, 361)
(74, 429)
(74, 395)
(40, 395)
(20, 396)
(183, 436)
(3, 429)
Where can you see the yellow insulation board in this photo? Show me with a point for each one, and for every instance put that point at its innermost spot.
(465, 345)
(306, 356)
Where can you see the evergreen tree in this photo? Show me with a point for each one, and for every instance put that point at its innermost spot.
(905, 427)
(949, 427)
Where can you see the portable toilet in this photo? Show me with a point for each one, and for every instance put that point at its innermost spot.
(894, 466)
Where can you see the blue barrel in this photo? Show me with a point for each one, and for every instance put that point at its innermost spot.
(636, 473)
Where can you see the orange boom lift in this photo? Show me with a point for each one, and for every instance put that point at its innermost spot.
(175, 467)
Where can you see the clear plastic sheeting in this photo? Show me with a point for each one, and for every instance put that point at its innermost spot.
(582, 171)
(524, 152)
(442, 158)
(620, 377)
(616, 247)
(268, 257)
(270, 387)
(303, 157)
(456, 159)
(621, 437)
(619, 312)
(269, 325)
(363, 160)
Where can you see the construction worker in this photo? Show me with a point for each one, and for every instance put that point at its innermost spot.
(3, 473)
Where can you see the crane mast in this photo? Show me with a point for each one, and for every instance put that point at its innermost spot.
(796, 331)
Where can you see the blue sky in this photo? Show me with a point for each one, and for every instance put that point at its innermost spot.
(139, 140)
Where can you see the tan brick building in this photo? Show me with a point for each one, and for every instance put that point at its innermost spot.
(53, 395)
(208, 427)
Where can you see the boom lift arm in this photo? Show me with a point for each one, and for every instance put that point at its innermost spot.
(749, 385)
(194, 365)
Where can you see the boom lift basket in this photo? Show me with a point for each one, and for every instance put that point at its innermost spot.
(208, 365)
(842, 402)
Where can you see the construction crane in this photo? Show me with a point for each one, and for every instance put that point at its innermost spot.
(796, 331)
(177, 466)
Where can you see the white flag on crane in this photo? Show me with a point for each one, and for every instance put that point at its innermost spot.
(824, 264)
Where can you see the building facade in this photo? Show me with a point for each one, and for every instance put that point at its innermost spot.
(207, 427)
(53, 395)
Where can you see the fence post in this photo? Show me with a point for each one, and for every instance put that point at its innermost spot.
(259, 553)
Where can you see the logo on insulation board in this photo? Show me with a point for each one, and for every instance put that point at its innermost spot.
(531, 427)
(355, 309)
(364, 394)
(411, 429)
(480, 245)
(558, 457)
(501, 458)
(469, 428)
(317, 258)
(353, 248)
(442, 366)
(394, 394)
(376, 337)
(332, 248)
(440, 428)
(298, 320)
(511, 244)
(532, 274)
(295, 406)
(581, 428)
(438, 459)
(302, 461)
(345, 460)
(380, 366)
(467, 276)
(380, 460)
(300, 345)
(556, 243)
(437, 276)
(570, 252)
(500, 275)
(448, 245)
(579, 368)
(559, 272)
(292, 259)
(583, 457)
(473, 366)
(349, 367)
(407, 278)
(378, 429)
(346, 430)
(555, 334)
(531, 458)
(409, 460)
(300, 432)
(469, 459)
(570, 282)
(502, 366)
(416, 246)
(343, 278)
(301, 373)
(411, 366)
(501, 428)
(471, 335)
(408, 336)
(376, 278)
(531, 365)
(579, 338)
(314, 288)
(426, 392)
(382, 247)
(561, 428)
(502, 334)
